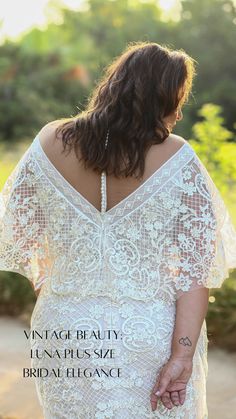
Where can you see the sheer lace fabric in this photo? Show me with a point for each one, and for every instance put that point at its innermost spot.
(124, 269)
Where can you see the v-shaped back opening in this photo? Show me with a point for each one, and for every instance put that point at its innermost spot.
(125, 200)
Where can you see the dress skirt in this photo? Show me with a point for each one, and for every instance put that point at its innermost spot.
(100, 359)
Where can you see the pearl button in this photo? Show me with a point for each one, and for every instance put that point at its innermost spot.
(103, 192)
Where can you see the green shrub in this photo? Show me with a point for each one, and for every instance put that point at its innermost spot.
(16, 294)
(221, 316)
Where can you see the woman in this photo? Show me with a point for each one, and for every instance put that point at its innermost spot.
(116, 319)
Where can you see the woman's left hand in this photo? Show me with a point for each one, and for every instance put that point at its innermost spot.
(172, 382)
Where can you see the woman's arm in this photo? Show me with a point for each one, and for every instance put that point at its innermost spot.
(191, 310)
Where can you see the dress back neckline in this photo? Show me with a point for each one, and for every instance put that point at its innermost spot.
(131, 201)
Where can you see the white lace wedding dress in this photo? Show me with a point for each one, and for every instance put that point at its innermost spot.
(116, 275)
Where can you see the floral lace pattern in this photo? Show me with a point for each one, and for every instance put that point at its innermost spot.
(124, 269)
(144, 348)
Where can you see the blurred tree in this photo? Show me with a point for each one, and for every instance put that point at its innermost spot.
(207, 31)
(211, 143)
(50, 74)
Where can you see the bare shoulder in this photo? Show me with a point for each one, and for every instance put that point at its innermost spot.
(48, 130)
(51, 143)
(176, 141)
(171, 145)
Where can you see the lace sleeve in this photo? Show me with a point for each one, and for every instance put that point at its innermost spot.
(23, 241)
(205, 236)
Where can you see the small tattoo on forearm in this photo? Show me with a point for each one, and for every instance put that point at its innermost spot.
(185, 341)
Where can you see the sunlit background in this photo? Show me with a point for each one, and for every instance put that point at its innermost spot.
(17, 17)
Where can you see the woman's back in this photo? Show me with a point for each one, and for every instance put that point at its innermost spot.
(121, 271)
(110, 276)
(88, 183)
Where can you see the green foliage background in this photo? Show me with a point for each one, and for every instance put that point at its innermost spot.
(49, 74)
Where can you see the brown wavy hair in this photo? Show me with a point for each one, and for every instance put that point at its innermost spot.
(140, 87)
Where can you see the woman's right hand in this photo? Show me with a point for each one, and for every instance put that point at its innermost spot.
(172, 381)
